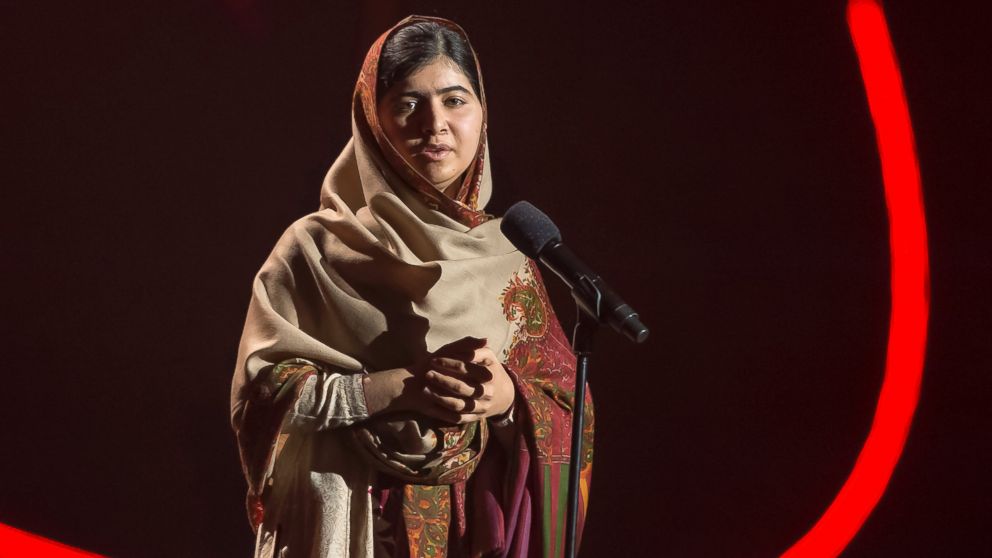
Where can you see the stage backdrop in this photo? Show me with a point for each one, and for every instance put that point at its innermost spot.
(716, 162)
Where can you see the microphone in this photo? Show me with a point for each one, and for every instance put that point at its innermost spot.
(534, 234)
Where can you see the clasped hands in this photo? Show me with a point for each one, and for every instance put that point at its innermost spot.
(459, 383)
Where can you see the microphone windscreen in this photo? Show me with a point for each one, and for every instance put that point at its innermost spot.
(529, 229)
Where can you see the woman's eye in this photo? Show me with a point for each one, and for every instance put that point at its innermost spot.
(454, 101)
(407, 106)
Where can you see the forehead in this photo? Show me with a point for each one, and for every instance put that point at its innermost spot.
(438, 74)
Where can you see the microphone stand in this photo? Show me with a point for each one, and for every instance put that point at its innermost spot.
(582, 337)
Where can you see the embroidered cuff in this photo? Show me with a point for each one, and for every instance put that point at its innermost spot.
(330, 400)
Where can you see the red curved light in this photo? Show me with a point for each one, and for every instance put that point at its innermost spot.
(14, 542)
(909, 290)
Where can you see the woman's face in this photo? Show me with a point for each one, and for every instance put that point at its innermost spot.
(434, 120)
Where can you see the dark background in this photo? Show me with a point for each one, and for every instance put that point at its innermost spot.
(715, 161)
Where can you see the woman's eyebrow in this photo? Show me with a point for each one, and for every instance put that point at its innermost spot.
(450, 88)
(442, 91)
(415, 94)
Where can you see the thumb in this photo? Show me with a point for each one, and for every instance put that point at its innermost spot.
(483, 356)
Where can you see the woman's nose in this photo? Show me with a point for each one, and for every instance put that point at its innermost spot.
(433, 121)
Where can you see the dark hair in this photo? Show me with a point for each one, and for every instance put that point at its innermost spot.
(417, 45)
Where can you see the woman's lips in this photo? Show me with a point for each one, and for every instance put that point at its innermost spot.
(434, 152)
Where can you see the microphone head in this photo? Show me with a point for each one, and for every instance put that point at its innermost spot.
(529, 229)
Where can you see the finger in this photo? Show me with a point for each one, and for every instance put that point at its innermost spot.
(472, 371)
(467, 371)
(444, 415)
(453, 365)
(466, 418)
(462, 419)
(454, 385)
(452, 417)
(484, 356)
(451, 402)
(478, 372)
(480, 391)
(461, 346)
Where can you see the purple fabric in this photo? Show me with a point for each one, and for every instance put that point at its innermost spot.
(488, 529)
(518, 499)
(522, 542)
(501, 500)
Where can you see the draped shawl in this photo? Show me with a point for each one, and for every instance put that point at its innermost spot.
(386, 272)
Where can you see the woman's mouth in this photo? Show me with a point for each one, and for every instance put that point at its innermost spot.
(435, 152)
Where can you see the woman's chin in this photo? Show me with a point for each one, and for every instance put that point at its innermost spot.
(441, 181)
(445, 188)
(436, 174)
(441, 174)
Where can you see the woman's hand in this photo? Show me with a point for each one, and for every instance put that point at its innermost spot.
(460, 382)
(466, 382)
(393, 390)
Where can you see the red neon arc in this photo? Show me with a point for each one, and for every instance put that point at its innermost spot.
(14, 542)
(909, 290)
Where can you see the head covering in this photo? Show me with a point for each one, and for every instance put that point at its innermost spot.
(476, 188)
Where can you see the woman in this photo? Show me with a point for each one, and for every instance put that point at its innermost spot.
(402, 385)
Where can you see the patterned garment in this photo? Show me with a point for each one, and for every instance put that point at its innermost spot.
(543, 365)
(463, 207)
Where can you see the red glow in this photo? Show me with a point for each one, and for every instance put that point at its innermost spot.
(910, 290)
(14, 542)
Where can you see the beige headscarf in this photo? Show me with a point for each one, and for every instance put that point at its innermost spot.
(387, 271)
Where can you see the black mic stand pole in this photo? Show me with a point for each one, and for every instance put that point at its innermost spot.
(582, 336)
